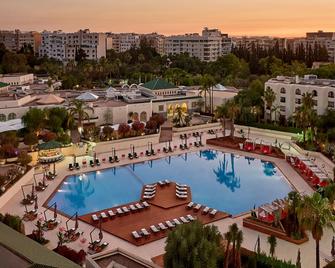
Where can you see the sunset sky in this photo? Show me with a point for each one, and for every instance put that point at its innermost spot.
(236, 17)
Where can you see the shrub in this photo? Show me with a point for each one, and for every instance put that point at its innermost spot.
(49, 136)
(138, 126)
(158, 118)
(64, 138)
(8, 151)
(151, 125)
(30, 139)
(12, 221)
(24, 158)
(123, 129)
(77, 257)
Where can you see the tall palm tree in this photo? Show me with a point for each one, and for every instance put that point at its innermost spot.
(179, 116)
(233, 109)
(272, 240)
(315, 214)
(269, 98)
(239, 240)
(306, 115)
(78, 109)
(207, 84)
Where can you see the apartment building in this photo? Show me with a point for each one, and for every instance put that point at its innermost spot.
(206, 47)
(64, 46)
(264, 42)
(15, 40)
(325, 39)
(121, 42)
(289, 92)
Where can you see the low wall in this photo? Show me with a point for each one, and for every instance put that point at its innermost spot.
(123, 144)
(16, 187)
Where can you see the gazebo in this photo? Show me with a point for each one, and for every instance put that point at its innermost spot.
(50, 152)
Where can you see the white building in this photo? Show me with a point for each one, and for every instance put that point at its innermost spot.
(206, 47)
(264, 42)
(64, 46)
(17, 79)
(289, 92)
(121, 42)
(15, 40)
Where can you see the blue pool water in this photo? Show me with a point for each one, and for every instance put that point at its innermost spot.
(224, 181)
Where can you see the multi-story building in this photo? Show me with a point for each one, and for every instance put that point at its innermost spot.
(264, 42)
(64, 46)
(206, 47)
(15, 40)
(289, 92)
(122, 42)
(324, 39)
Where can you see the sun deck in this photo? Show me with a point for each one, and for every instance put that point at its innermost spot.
(165, 206)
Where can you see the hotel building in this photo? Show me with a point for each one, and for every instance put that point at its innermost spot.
(289, 92)
(15, 40)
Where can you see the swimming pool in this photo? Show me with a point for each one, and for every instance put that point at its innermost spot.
(224, 181)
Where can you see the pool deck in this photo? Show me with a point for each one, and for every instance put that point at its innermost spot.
(284, 250)
(159, 211)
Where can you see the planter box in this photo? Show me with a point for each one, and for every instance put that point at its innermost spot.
(269, 230)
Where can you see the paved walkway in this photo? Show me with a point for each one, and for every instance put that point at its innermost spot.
(284, 249)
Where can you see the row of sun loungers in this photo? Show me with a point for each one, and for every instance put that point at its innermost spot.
(162, 226)
(75, 166)
(149, 191)
(181, 191)
(113, 159)
(205, 210)
(132, 155)
(150, 152)
(121, 211)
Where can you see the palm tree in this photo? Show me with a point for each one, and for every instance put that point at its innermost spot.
(180, 117)
(207, 83)
(293, 202)
(233, 109)
(315, 214)
(78, 109)
(272, 240)
(239, 240)
(228, 237)
(269, 98)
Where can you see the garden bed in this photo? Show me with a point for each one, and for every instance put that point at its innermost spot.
(265, 228)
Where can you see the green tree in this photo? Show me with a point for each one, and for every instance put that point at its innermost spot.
(79, 110)
(315, 214)
(193, 246)
(272, 240)
(269, 98)
(34, 120)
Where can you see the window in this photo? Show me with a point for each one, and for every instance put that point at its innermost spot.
(298, 101)
(330, 104)
(282, 109)
(11, 116)
(298, 91)
(283, 90)
(315, 93)
(2, 117)
(161, 108)
(330, 94)
(315, 102)
(282, 99)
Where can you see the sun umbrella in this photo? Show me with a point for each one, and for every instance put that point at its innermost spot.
(298, 263)
(100, 232)
(76, 224)
(333, 247)
(36, 204)
(55, 211)
(33, 191)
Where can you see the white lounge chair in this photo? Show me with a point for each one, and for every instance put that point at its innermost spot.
(213, 212)
(181, 192)
(149, 192)
(205, 210)
(181, 185)
(170, 224)
(125, 209)
(145, 232)
(95, 217)
(151, 186)
(132, 208)
(197, 207)
(161, 183)
(119, 211)
(176, 221)
(162, 226)
(190, 205)
(138, 206)
(167, 181)
(103, 215)
(154, 229)
(145, 204)
(148, 196)
(184, 220)
(190, 217)
(136, 235)
(180, 188)
(181, 196)
(111, 213)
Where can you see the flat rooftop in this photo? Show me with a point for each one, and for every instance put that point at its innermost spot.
(310, 80)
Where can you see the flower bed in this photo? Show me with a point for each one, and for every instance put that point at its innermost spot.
(265, 228)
